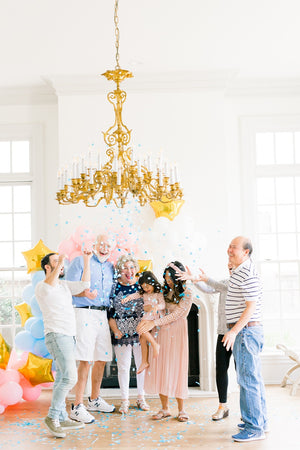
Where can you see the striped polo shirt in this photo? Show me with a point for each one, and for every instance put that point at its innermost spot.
(244, 285)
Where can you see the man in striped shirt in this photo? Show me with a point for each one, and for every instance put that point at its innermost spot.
(245, 338)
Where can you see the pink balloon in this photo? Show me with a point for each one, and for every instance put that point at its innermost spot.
(10, 393)
(9, 375)
(67, 247)
(82, 234)
(32, 393)
(2, 376)
(2, 409)
(75, 254)
(16, 361)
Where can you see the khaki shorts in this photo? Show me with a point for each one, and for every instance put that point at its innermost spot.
(93, 339)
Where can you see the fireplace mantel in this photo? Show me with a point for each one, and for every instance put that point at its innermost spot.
(207, 304)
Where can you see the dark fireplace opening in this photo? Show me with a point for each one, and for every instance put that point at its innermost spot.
(110, 377)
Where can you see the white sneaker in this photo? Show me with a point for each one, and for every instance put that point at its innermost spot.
(70, 424)
(80, 414)
(99, 405)
(54, 427)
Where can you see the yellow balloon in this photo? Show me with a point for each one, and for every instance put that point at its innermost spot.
(35, 255)
(37, 369)
(25, 312)
(145, 264)
(4, 352)
(166, 208)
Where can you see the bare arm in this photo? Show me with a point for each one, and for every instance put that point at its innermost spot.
(130, 297)
(114, 328)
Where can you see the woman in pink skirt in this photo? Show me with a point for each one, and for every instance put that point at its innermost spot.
(168, 373)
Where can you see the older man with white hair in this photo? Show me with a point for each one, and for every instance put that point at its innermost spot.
(93, 340)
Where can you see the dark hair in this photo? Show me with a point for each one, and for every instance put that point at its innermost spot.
(46, 261)
(179, 285)
(149, 278)
(247, 245)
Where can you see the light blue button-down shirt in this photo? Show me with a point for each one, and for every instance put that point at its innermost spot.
(101, 279)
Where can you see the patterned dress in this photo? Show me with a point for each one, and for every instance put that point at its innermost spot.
(127, 316)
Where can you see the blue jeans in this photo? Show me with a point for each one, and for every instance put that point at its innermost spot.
(62, 349)
(246, 351)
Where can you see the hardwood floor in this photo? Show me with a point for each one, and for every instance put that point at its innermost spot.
(22, 426)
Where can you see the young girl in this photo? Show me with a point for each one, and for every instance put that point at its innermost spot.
(153, 302)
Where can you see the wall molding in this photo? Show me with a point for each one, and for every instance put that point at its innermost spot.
(226, 82)
(28, 95)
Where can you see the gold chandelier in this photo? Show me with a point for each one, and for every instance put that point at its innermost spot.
(90, 181)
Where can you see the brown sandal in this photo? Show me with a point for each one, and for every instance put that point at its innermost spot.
(182, 416)
(162, 414)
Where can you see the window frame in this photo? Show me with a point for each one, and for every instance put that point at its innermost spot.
(249, 127)
(34, 133)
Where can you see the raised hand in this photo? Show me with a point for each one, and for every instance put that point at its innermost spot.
(181, 274)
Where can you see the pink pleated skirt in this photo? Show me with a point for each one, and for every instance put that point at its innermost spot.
(168, 373)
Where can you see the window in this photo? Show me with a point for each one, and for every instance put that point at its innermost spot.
(273, 187)
(16, 224)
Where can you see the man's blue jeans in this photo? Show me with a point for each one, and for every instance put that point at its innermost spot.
(246, 351)
(62, 349)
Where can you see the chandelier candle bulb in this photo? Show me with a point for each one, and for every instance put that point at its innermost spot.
(171, 176)
(66, 176)
(82, 168)
(132, 157)
(160, 181)
(139, 169)
(166, 169)
(115, 164)
(175, 174)
(58, 180)
(119, 173)
(74, 169)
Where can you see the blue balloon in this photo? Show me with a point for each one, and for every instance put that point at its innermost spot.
(37, 329)
(38, 276)
(25, 341)
(35, 309)
(40, 348)
(53, 367)
(28, 292)
(29, 322)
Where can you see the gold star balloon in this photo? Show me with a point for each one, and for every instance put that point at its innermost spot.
(145, 264)
(4, 352)
(25, 312)
(35, 255)
(37, 369)
(166, 208)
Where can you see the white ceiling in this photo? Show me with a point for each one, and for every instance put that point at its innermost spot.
(44, 38)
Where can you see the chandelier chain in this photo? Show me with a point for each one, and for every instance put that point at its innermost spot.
(117, 34)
